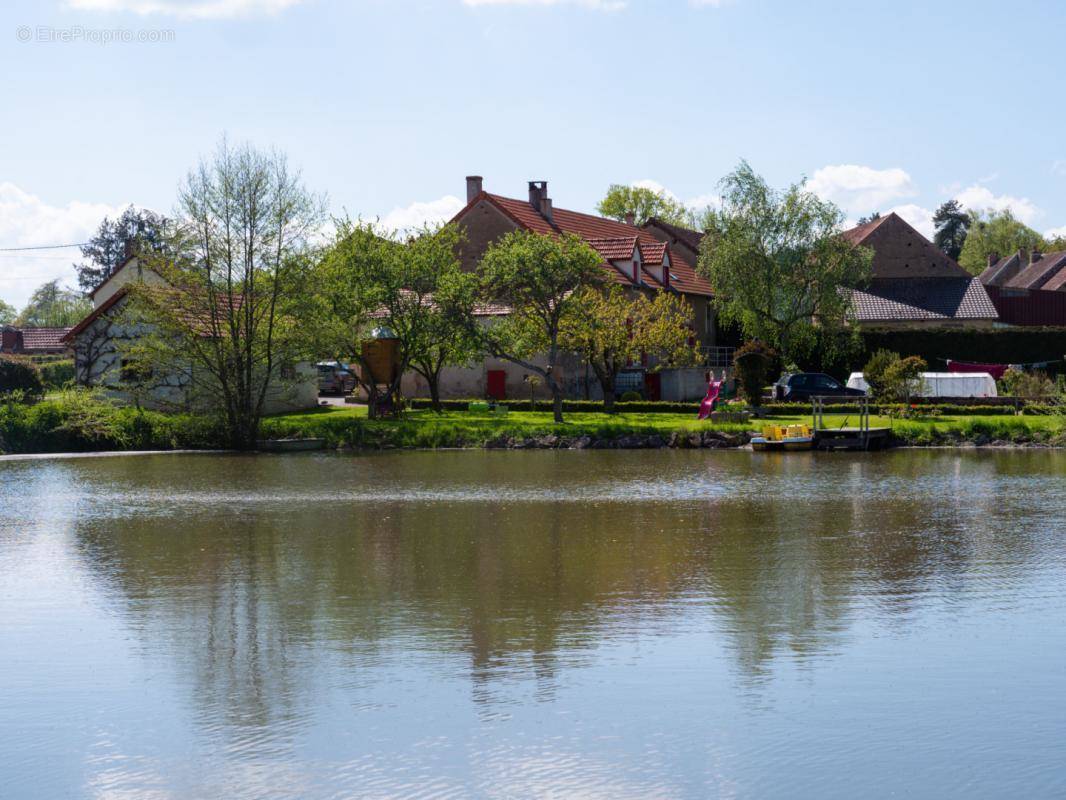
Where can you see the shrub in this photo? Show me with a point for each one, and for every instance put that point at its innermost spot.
(754, 363)
(631, 397)
(874, 371)
(903, 377)
(1029, 385)
(57, 374)
(18, 375)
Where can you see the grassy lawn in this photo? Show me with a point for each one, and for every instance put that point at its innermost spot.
(423, 428)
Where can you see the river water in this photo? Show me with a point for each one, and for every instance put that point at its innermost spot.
(656, 624)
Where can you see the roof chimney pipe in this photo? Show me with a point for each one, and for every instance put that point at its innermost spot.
(473, 187)
(631, 218)
(992, 259)
(1035, 256)
(538, 190)
(546, 208)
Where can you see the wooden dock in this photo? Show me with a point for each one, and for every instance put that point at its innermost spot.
(851, 438)
(862, 437)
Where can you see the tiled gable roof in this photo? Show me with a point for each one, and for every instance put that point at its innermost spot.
(1038, 274)
(900, 251)
(43, 338)
(590, 227)
(653, 253)
(686, 235)
(1002, 271)
(619, 249)
(1057, 282)
(916, 299)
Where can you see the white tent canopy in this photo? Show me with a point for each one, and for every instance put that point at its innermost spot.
(944, 384)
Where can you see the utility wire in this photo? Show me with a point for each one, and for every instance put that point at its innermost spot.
(42, 247)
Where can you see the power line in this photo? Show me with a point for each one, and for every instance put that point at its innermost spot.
(41, 247)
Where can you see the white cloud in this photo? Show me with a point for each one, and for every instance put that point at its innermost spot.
(655, 186)
(702, 201)
(189, 9)
(1058, 166)
(1055, 233)
(418, 214)
(597, 5)
(981, 198)
(917, 217)
(858, 189)
(28, 221)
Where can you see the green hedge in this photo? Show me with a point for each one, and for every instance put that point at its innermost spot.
(58, 374)
(639, 407)
(950, 409)
(984, 346)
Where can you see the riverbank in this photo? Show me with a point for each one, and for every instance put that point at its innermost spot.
(72, 423)
(349, 428)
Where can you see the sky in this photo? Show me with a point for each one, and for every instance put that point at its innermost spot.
(386, 105)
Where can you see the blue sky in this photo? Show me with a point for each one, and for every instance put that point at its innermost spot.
(387, 104)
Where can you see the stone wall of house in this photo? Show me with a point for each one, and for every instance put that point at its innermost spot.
(483, 224)
(98, 362)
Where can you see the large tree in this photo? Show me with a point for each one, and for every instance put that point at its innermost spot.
(53, 306)
(952, 224)
(779, 268)
(225, 318)
(414, 289)
(995, 233)
(642, 203)
(614, 327)
(442, 336)
(137, 228)
(539, 278)
(8, 313)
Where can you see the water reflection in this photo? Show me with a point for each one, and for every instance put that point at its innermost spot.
(496, 624)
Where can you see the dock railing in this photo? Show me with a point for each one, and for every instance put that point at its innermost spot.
(861, 433)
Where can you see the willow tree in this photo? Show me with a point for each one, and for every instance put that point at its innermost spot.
(222, 324)
(613, 327)
(778, 265)
(539, 278)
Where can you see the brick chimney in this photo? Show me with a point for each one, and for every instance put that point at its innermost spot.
(473, 187)
(631, 218)
(1035, 256)
(538, 190)
(993, 258)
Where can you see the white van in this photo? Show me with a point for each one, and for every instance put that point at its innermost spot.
(944, 384)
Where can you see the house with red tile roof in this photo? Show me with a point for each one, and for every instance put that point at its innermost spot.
(913, 284)
(100, 342)
(1028, 288)
(636, 258)
(33, 341)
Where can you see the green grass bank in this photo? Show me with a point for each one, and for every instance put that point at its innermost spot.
(77, 422)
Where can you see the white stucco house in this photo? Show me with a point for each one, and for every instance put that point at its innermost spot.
(100, 340)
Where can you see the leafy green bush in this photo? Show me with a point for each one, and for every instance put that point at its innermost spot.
(18, 375)
(903, 378)
(57, 374)
(754, 363)
(79, 421)
(874, 371)
(630, 397)
(1028, 385)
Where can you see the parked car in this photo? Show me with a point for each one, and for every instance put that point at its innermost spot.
(800, 386)
(335, 377)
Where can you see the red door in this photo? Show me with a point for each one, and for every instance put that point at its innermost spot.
(653, 385)
(497, 384)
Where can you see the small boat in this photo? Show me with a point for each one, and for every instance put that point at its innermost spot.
(783, 437)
